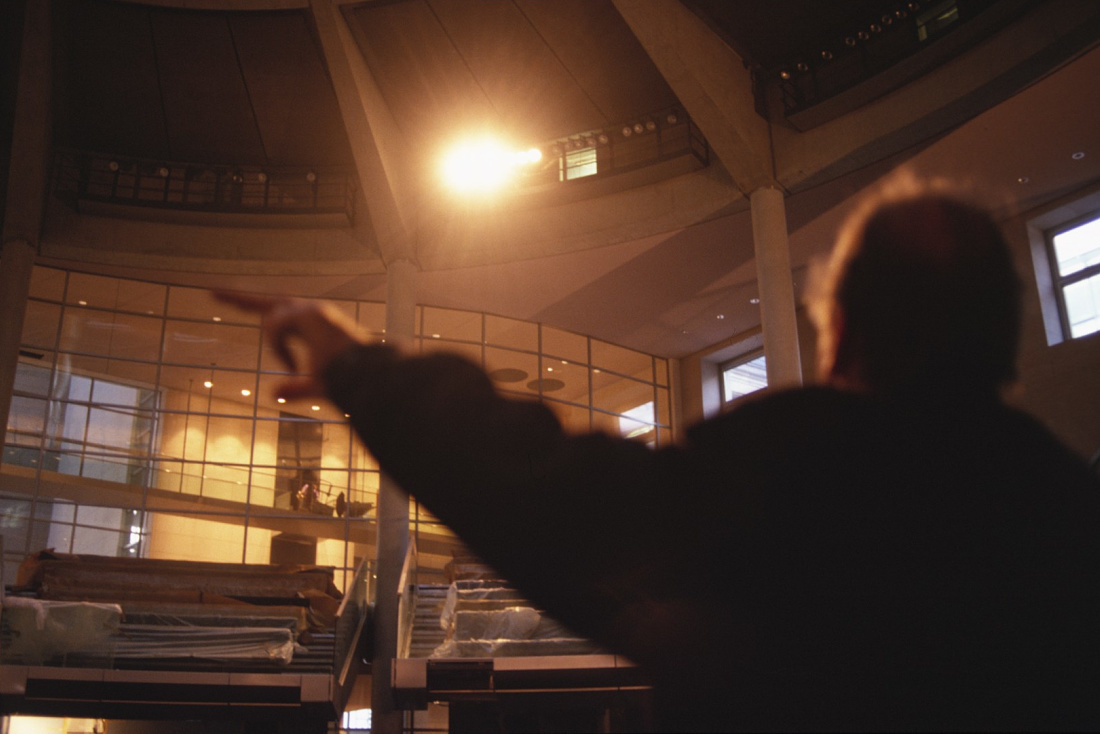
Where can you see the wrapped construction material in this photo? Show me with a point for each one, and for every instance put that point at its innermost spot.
(40, 630)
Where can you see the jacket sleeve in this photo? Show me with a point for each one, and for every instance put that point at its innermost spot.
(573, 520)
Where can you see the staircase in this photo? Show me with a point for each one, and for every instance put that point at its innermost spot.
(479, 615)
(428, 633)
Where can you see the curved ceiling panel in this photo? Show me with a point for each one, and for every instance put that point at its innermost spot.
(245, 88)
(534, 71)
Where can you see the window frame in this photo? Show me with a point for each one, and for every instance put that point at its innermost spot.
(1060, 282)
(731, 364)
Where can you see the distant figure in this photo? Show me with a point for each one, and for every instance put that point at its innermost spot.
(892, 549)
(303, 499)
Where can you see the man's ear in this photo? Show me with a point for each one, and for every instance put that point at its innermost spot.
(842, 364)
(830, 330)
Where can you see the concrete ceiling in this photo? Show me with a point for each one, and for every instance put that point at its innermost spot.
(666, 267)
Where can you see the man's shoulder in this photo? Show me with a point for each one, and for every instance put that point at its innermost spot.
(789, 409)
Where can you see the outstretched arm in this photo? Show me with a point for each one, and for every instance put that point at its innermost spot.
(323, 332)
(573, 521)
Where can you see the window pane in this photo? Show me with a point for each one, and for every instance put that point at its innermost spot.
(444, 323)
(198, 303)
(111, 334)
(622, 360)
(578, 163)
(40, 325)
(511, 333)
(744, 378)
(1078, 248)
(1083, 306)
(47, 283)
(619, 394)
(564, 344)
(511, 371)
(211, 344)
(570, 381)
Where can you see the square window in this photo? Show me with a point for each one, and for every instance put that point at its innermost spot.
(743, 376)
(1075, 262)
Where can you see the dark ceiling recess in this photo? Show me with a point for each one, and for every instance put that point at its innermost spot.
(806, 53)
(247, 88)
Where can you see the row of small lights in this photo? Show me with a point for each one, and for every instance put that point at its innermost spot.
(853, 40)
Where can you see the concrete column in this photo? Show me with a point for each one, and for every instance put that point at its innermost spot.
(776, 289)
(393, 518)
(16, 262)
(30, 149)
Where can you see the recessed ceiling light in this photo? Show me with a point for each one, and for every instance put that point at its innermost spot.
(721, 316)
(754, 301)
(315, 407)
(1023, 179)
(280, 400)
(217, 318)
(82, 303)
(1078, 155)
(246, 392)
(207, 384)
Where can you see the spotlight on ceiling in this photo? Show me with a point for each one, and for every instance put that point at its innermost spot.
(480, 166)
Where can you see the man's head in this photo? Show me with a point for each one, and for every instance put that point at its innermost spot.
(921, 297)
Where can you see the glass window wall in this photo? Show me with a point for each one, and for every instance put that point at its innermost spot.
(145, 421)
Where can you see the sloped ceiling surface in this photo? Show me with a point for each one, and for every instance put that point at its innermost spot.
(534, 70)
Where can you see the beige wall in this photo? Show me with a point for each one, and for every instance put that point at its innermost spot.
(1058, 383)
(700, 387)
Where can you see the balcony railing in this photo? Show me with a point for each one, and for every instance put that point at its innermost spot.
(84, 176)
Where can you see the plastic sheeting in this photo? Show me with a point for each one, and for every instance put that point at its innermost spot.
(494, 622)
(41, 631)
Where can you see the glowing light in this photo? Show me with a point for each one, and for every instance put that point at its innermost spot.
(207, 384)
(484, 165)
(246, 393)
(280, 400)
(315, 407)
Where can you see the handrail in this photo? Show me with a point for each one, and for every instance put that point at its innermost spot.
(407, 592)
(210, 187)
(352, 622)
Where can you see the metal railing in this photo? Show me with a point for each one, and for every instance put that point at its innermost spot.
(646, 140)
(407, 590)
(352, 631)
(80, 175)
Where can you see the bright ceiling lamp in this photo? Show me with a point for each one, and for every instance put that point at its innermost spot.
(484, 165)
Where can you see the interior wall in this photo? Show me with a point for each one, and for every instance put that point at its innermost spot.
(1057, 383)
(700, 387)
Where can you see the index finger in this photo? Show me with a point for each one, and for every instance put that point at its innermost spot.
(247, 301)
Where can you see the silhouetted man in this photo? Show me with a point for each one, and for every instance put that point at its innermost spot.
(893, 548)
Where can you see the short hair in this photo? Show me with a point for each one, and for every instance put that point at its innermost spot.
(922, 287)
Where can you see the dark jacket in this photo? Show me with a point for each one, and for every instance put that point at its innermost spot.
(815, 559)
